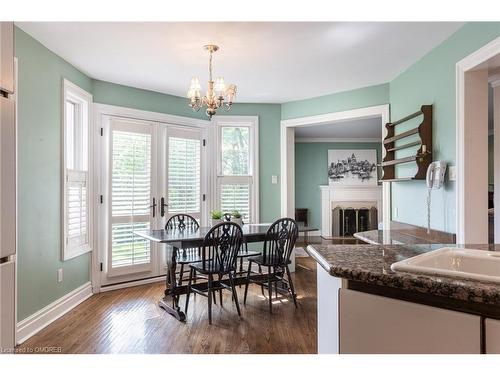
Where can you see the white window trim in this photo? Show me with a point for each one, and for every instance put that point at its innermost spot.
(237, 121)
(72, 91)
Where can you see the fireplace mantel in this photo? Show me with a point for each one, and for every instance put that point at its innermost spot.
(337, 195)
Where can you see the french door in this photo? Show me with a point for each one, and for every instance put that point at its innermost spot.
(151, 172)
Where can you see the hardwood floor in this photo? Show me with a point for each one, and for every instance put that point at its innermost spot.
(130, 321)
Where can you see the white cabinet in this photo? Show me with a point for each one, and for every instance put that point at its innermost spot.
(7, 178)
(492, 333)
(371, 324)
(7, 300)
(328, 312)
(7, 57)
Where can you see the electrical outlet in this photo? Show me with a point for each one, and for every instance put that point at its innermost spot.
(274, 179)
(60, 275)
(452, 172)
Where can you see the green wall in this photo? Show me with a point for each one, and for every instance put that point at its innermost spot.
(341, 101)
(311, 166)
(269, 125)
(39, 177)
(131, 97)
(431, 80)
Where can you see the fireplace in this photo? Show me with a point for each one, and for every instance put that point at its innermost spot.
(348, 220)
(346, 210)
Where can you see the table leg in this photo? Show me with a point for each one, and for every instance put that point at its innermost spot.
(171, 282)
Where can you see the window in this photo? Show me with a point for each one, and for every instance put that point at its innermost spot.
(76, 209)
(237, 170)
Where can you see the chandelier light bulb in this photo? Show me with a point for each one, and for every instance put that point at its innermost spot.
(220, 87)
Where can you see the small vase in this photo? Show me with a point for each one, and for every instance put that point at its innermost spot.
(237, 220)
(214, 222)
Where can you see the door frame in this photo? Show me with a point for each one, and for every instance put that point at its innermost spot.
(100, 113)
(287, 153)
(471, 217)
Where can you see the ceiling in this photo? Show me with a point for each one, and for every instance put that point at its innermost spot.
(367, 129)
(270, 62)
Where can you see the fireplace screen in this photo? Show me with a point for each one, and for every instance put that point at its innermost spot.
(347, 220)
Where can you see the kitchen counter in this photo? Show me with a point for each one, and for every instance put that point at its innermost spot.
(370, 265)
(364, 307)
(388, 237)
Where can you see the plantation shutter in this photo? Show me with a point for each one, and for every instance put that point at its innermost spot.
(77, 208)
(235, 196)
(130, 197)
(184, 175)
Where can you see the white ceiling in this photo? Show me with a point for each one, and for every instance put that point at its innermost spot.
(270, 62)
(370, 128)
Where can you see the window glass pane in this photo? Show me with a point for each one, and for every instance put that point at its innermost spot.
(235, 151)
(236, 197)
(70, 135)
(131, 173)
(84, 136)
(183, 175)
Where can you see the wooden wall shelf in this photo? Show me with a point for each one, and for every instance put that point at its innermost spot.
(423, 155)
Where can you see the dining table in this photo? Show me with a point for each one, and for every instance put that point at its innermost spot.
(189, 238)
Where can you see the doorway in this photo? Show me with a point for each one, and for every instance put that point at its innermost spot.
(287, 144)
(473, 75)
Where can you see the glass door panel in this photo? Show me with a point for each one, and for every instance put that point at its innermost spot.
(183, 172)
(131, 193)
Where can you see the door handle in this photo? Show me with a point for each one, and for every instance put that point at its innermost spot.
(162, 206)
(153, 206)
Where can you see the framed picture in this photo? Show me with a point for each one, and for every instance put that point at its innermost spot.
(352, 167)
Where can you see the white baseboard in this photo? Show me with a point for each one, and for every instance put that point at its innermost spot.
(132, 283)
(42, 318)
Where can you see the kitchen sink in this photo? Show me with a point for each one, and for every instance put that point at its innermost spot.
(454, 262)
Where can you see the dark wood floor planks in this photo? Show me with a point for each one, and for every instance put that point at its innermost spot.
(130, 321)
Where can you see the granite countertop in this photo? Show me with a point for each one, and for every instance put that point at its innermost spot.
(377, 237)
(371, 264)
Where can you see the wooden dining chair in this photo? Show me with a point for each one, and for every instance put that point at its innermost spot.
(219, 251)
(182, 222)
(278, 245)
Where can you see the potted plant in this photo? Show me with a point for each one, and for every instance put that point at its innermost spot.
(236, 217)
(216, 217)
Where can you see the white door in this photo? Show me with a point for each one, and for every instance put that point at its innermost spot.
(131, 182)
(153, 171)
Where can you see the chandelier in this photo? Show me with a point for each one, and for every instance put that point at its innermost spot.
(218, 95)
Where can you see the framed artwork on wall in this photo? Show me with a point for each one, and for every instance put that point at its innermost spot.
(352, 167)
